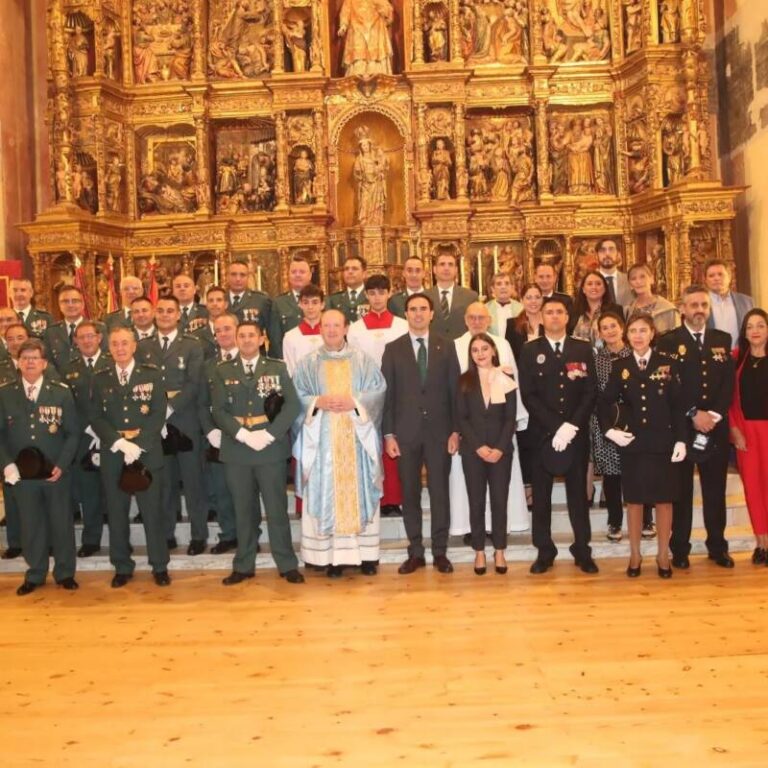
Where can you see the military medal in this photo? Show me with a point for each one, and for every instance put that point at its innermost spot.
(625, 374)
(681, 350)
(541, 359)
(53, 429)
(144, 409)
(181, 364)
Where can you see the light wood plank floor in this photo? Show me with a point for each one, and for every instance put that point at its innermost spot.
(426, 670)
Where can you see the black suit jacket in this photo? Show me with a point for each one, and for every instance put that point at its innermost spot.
(555, 391)
(454, 326)
(518, 339)
(412, 411)
(479, 425)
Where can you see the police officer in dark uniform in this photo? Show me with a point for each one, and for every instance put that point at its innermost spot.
(128, 411)
(352, 301)
(40, 414)
(255, 449)
(36, 320)
(707, 374)
(179, 358)
(247, 305)
(285, 313)
(86, 478)
(558, 384)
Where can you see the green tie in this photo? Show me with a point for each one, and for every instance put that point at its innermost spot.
(421, 359)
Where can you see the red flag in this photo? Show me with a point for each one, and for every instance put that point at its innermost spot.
(154, 290)
(80, 283)
(109, 276)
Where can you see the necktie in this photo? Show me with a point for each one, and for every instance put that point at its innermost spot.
(123, 376)
(699, 342)
(557, 349)
(249, 370)
(31, 391)
(642, 362)
(444, 308)
(421, 360)
(165, 343)
(227, 356)
(21, 316)
(611, 288)
(235, 301)
(72, 327)
(89, 362)
(352, 297)
(185, 315)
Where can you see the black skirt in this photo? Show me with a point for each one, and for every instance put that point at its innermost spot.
(649, 478)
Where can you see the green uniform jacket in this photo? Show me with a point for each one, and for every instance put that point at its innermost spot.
(235, 395)
(181, 371)
(117, 319)
(207, 341)
(341, 301)
(60, 352)
(37, 321)
(196, 318)
(284, 316)
(254, 306)
(140, 404)
(50, 424)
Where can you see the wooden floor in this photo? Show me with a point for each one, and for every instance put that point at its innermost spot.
(426, 670)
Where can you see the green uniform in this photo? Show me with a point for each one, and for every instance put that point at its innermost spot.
(284, 315)
(118, 319)
(62, 351)
(86, 484)
(193, 317)
(51, 424)
(36, 321)
(238, 403)
(207, 341)
(181, 371)
(353, 310)
(253, 306)
(136, 411)
(8, 372)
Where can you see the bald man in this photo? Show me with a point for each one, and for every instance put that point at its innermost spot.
(130, 288)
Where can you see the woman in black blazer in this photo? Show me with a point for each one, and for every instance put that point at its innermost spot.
(486, 411)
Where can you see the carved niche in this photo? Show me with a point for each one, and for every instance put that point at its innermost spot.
(574, 30)
(168, 174)
(494, 31)
(162, 40)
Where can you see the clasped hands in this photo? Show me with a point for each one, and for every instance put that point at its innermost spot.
(488, 454)
(335, 403)
(130, 450)
(706, 421)
(256, 441)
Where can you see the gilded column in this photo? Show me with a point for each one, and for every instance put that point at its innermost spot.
(278, 65)
(630, 255)
(455, 34)
(726, 249)
(131, 180)
(321, 168)
(568, 285)
(199, 16)
(98, 42)
(530, 265)
(101, 165)
(620, 137)
(126, 43)
(537, 39)
(418, 35)
(203, 182)
(316, 47)
(424, 173)
(543, 173)
(281, 182)
(460, 150)
(284, 264)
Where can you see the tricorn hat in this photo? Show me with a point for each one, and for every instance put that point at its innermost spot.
(33, 465)
(134, 478)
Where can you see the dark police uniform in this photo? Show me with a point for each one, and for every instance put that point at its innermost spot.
(50, 424)
(192, 317)
(558, 389)
(284, 316)
(136, 412)
(62, 350)
(36, 321)
(181, 370)
(251, 306)
(87, 486)
(238, 403)
(353, 309)
(707, 377)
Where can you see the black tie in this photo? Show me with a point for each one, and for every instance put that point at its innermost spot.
(185, 315)
(72, 328)
(235, 301)
(165, 344)
(249, 370)
(89, 362)
(21, 316)
(642, 362)
(611, 288)
(227, 356)
(699, 342)
(352, 297)
(557, 349)
(421, 360)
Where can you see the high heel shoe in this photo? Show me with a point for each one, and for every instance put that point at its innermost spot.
(664, 573)
(634, 572)
(480, 569)
(500, 569)
(759, 556)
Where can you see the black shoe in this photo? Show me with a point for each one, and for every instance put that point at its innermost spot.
(759, 556)
(11, 553)
(368, 568)
(540, 565)
(442, 563)
(649, 531)
(120, 580)
(88, 549)
(664, 573)
(236, 577)
(172, 543)
(26, 588)
(411, 565)
(681, 563)
(293, 576)
(162, 579)
(724, 560)
(614, 533)
(211, 515)
(587, 564)
(467, 539)
(196, 547)
(68, 583)
(634, 572)
(391, 510)
(224, 545)
(334, 571)
(480, 570)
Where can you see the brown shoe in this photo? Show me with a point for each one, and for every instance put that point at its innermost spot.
(411, 564)
(443, 564)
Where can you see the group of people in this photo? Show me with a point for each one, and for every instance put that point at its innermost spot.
(355, 394)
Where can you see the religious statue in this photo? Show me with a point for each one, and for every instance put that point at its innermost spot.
(669, 12)
(181, 45)
(62, 178)
(659, 265)
(370, 175)
(498, 164)
(204, 282)
(436, 31)
(441, 164)
(605, 173)
(89, 198)
(241, 36)
(78, 48)
(558, 149)
(295, 34)
(581, 173)
(365, 27)
(578, 32)
(632, 25)
(303, 175)
(672, 149)
(494, 31)
(639, 165)
(113, 181)
(522, 183)
(111, 50)
(146, 68)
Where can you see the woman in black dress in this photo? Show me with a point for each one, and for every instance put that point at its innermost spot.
(486, 409)
(640, 411)
(527, 325)
(592, 299)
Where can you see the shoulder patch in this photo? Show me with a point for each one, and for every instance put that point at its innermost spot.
(148, 365)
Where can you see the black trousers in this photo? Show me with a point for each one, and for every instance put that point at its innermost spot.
(413, 457)
(576, 494)
(480, 476)
(713, 475)
(613, 500)
(526, 445)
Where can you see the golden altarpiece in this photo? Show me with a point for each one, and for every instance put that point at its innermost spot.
(192, 132)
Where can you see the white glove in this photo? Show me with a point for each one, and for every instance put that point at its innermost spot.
(262, 439)
(214, 438)
(678, 453)
(168, 412)
(620, 437)
(242, 435)
(11, 474)
(566, 432)
(164, 431)
(89, 431)
(716, 416)
(559, 443)
(96, 459)
(130, 450)
(95, 444)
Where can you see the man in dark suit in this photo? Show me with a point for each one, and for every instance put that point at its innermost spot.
(36, 320)
(352, 301)
(609, 258)
(559, 388)
(131, 288)
(727, 307)
(707, 374)
(545, 276)
(193, 315)
(247, 305)
(286, 314)
(413, 275)
(419, 426)
(450, 301)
